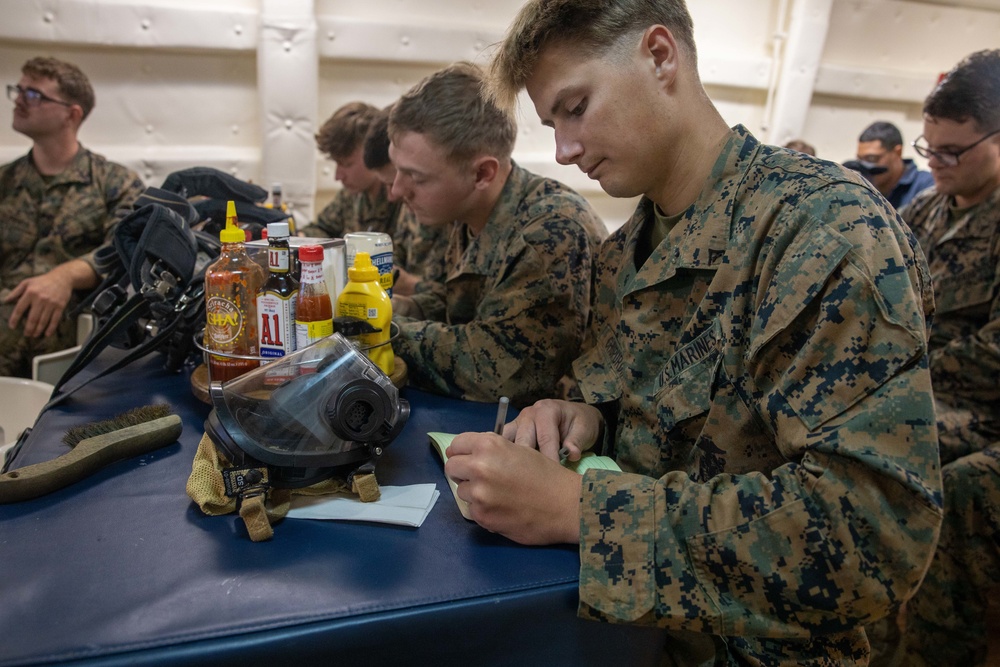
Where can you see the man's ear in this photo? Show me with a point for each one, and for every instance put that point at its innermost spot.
(898, 150)
(485, 168)
(76, 115)
(659, 45)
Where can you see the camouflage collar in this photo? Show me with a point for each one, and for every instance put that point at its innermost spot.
(79, 171)
(500, 225)
(700, 239)
(977, 219)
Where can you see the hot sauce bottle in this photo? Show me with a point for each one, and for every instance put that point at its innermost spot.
(231, 285)
(313, 308)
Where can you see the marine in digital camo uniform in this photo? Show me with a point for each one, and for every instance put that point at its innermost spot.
(416, 249)
(512, 312)
(762, 371)
(47, 223)
(964, 259)
(958, 226)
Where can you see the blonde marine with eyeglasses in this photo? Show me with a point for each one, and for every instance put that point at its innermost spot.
(957, 223)
(57, 205)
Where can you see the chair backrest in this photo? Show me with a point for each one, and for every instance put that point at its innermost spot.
(84, 325)
(50, 367)
(20, 402)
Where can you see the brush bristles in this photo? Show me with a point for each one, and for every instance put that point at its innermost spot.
(140, 415)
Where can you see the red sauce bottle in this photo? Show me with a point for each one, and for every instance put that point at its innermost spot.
(313, 308)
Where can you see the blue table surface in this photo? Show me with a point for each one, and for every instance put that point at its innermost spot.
(122, 568)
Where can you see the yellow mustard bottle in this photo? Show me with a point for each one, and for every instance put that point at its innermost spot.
(364, 298)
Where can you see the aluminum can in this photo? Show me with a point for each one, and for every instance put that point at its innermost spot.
(378, 245)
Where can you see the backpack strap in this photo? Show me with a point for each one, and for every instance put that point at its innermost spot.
(124, 318)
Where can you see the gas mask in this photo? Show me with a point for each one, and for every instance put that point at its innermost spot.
(320, 412)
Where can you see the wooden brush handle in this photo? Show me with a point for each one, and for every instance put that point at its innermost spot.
(89, 456)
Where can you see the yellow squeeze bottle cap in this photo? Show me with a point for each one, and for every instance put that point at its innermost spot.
(232, 232)
(362, 271)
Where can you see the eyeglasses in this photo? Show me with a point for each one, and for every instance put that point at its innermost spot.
(31, 96)
(947, 158)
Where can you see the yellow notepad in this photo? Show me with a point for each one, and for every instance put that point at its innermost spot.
(588, 460)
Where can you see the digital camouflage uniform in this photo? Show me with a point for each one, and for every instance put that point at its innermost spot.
(419, 249)
(47, 222)
(946, 621)
(355, 212)
(764, 382)
(514, 307)
(964, 259)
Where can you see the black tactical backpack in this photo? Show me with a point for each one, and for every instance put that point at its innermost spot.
(152, 297)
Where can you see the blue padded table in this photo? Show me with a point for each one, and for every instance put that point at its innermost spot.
(122, 568)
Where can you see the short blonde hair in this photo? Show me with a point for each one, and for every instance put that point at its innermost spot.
(450, 107)
(595, 26)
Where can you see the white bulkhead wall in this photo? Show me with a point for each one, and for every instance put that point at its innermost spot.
(242, 85)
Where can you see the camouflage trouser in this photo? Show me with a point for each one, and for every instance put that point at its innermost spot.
(945, 622)
(16, 351)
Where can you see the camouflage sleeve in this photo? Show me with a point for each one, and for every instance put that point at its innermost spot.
(527, 327)
(836, 378)
(122, 187)
(330, 221)
(432, 299)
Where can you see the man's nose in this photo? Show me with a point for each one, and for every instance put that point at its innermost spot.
(568, 150)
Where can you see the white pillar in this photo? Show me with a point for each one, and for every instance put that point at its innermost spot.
(288, 93)
(803, 51)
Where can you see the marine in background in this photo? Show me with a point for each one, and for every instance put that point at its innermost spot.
(958, 225)
(57, 205)
(510, 315)
(418, 250)
(881, 145)
(362, 204)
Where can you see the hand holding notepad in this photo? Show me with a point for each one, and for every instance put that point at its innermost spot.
(588, 460)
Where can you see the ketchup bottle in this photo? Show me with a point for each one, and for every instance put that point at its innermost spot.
(313, 307)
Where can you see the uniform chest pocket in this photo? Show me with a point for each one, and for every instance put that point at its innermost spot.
(464, 294)
(971, 287)
(688, 380)
(19, 231)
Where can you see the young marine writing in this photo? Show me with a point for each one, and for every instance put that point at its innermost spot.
(756, 363)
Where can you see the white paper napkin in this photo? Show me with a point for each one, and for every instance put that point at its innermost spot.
(401, 505)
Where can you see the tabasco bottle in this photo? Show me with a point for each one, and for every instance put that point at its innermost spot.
(231, 285)
(313, 309)
(276, 299)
